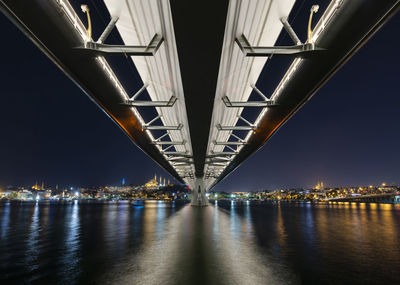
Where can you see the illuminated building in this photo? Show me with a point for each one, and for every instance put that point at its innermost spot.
(37, 187)
(319, 186)
(152, 184)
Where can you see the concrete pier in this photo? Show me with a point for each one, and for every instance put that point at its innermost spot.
(199, 197)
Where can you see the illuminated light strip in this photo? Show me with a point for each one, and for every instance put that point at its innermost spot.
(73, 17)
(326, 18)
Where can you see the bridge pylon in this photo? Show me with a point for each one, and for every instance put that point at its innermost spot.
(199, 198)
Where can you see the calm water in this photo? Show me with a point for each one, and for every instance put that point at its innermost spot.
(173, 243)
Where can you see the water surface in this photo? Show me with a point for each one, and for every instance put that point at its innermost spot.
(174, 243)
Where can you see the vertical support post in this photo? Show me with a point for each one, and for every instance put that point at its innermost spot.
(199, 198)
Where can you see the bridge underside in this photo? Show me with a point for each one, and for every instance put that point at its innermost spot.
(199, 61)
(199, 31)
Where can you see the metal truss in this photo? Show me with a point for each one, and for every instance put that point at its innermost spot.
(302, 50)
(135, 103)
(230, 143)
(220, 154)
(179, 154)
(297, 50)
(149, 126)
(235, 128)
(163, 128)
(238, 104)
(249, 126)
(100, 49)
(171, 143)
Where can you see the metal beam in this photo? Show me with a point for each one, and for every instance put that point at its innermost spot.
(163, 128)
(99, 49)
(235, 128)
(238, 138)
(169, 143)
(180, 163)
(229, 143)
(301, 50)
(134, 103)
(161, 137)
(237, 104)
(107, 30)
(174, 153)
(211, 160)
(185, 160)
(259, 92)
(139, 92)
(232, 149)
(290, 31)
(217, 165)
(217, 154)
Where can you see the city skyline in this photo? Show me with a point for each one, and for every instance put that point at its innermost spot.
(345, 135)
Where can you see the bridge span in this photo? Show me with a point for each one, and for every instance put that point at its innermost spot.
(200, 63)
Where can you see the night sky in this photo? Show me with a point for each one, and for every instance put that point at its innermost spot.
(347, 134)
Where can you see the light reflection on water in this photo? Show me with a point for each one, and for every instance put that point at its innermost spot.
(70, 258)
(225, 243)
(33, 247)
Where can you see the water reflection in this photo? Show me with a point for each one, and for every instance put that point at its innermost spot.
(5, 220)
(33, 246)
(199, 246)
(71, 252)
(225, 243)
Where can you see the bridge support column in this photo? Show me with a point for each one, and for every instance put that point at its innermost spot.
(199, 198)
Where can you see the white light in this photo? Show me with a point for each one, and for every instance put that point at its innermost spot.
(76, 193)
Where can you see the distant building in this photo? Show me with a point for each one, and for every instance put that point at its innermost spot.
(319, 186)
(38, 187)
(152, 184)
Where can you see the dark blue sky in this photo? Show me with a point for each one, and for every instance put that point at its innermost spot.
(348, 134)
